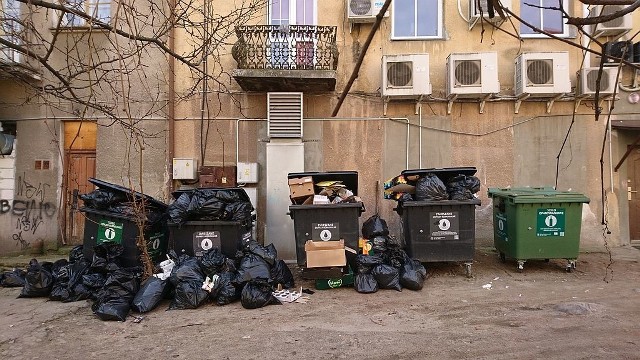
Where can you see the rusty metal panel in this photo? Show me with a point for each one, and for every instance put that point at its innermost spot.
(217, 176)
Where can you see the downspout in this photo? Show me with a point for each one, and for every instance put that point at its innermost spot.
(172, 96)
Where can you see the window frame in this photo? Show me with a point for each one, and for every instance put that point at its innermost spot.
(566, 29)
(292, 12)
(88, 6)
(440, 26)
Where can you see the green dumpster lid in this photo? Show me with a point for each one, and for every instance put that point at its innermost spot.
(531, 195)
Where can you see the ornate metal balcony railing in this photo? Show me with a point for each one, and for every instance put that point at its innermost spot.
(293, 47)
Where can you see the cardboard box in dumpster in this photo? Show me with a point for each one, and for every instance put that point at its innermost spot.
(325, 253)
(301, 187)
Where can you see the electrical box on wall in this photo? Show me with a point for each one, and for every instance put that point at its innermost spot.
(217, 177)
(247, 173)
(185, 169)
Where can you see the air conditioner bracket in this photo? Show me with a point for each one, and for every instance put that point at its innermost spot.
(484, 101)
(519, 101)
(551, 101)
(450, 101)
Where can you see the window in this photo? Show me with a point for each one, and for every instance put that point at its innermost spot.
(539, 14)
(286, 50)
(99, 9)
(292, 12)
(416, 19)
(10, 30)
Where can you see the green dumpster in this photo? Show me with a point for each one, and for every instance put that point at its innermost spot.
(537, 223)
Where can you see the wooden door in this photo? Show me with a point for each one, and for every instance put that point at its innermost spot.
(633, 185)
(81, 165)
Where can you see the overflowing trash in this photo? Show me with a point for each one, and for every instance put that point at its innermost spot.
(210, 204)
(431, 186)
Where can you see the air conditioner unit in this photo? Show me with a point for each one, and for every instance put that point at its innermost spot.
(615, 50)
(615, 27)
(472, 74)
(405, 75)
(364, 11)
(588, 79)
(477, 7)
(542, 73)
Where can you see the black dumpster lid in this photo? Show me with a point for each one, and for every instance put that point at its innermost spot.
(348, 178)
(240, 191)
(443, 173)
(117, 188)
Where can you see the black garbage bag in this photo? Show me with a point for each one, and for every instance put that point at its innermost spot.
(113, 302)
(238, 211)
(225, 291)
(412, 274)
(257, 294)
(387, 277)
(94, 281)
(76, 254)
(253, 267)
(212, 261)
(379, 244)
(106, 257)
(228, 196)
(76, 288)
(38, 280)
(187, 279)
(205, 205)
(365, 283)
(462, 187)
(152, 291)
(268, 253)
(374, 226)
(431, 188)
(60, 289)
(178, 210)
(406, 197)
(395, 256)
(13, 278)
(102, 199)
(281, 274)
(367, 262)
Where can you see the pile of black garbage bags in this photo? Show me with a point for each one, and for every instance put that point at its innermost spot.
(188, 282)
(388, 266)
(115, 199)
(210, 204)
(431, 187)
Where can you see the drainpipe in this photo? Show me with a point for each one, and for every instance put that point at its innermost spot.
(172, 97)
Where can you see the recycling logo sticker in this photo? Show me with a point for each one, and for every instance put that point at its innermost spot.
(550, 222)
(206, 244)
(109, 231)
(325, 231)
(110, 234)
(205, 240)
(325, 235)
(444, 225)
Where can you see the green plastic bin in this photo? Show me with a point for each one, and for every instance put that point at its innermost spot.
(537, 223)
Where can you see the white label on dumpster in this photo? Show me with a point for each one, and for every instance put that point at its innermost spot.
(205, 240)
(501, 231)
(444, 226)
(325, 231)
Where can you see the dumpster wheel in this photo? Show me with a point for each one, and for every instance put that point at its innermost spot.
(521, 265)
(467, 268)
(503, 257)
(571, 266)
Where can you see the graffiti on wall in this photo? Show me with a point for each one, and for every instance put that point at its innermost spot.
(29, 212)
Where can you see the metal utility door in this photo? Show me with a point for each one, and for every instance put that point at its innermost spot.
(633, 185)
(282, 158)
(81, 165)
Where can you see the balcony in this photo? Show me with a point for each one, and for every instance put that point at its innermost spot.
(14, 64)
(300, 58)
